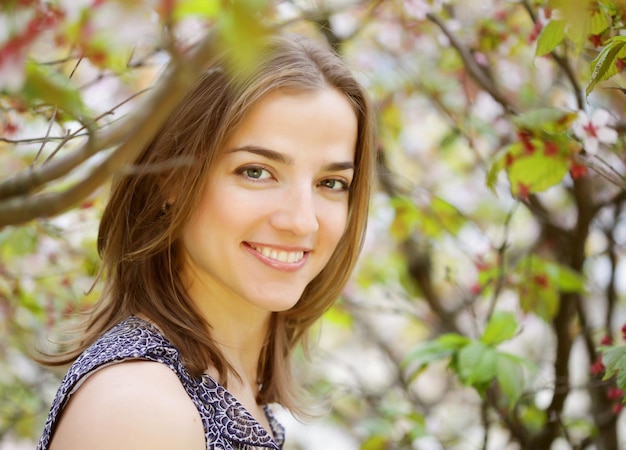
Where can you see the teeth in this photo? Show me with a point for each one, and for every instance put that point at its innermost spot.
(282, 256)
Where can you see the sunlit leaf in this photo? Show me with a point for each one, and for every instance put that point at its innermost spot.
(550, 37)
(582, 19)
(406, 218)
(449, 139)
(510, 377)
(445, 217)
(536, 172)
(487, 276)
(17, 241)
(533, 417)
(604, 65)
(501, 327)
(375, 442)
(338, 316)
(431, 351)
(537, 292)
(243, 32)
(27, 425)
(499, 164)
(27, 301)
(477, 363)
(391, 118)
(453, 341)
(566, 279)
(545, 120)
(439, 217)
(418, 425)
(46, 86)
(202, 8)
(614, 360)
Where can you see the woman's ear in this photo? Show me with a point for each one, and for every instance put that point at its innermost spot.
(167, 189)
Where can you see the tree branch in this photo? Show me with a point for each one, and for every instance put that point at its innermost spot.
(134, 133)
(472, 66)
(562, 62)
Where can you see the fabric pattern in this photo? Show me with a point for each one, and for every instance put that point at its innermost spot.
(227, 424)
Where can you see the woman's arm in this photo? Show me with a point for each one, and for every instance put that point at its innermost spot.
(132, 405)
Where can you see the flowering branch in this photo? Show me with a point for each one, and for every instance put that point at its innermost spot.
(129, 135)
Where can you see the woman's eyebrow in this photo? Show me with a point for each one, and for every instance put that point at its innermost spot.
(264, 152)
(273, 155)
(339, 166)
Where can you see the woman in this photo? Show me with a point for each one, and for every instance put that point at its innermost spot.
(216, 270)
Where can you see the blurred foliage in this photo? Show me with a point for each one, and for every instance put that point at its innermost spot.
(488, 306)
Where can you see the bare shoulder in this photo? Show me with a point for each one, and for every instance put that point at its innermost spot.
(131, 405)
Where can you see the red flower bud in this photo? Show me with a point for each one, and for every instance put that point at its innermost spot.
(597, 368)
(606, 340)
(614, 393)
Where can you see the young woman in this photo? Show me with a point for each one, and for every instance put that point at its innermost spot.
(215, 270)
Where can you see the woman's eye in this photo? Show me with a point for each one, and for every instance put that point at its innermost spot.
(335, 184)
(255, 173)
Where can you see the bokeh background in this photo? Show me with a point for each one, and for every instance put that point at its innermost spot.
(488, 307)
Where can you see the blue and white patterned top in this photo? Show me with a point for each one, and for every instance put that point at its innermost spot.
(227, 424)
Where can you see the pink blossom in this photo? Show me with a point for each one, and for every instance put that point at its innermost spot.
(594, 130)
(417, 8)
(12, 72)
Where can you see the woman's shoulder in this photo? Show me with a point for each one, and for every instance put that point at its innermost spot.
(131, 347)
(131, 405)
(130, 338)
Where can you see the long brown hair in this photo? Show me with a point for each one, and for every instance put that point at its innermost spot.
(138, 238)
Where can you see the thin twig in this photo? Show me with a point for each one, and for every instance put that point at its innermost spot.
(133, 134)
(45, 138)
(472, 66)
(562, 62)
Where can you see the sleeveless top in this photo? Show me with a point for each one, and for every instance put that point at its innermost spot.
(227, 424)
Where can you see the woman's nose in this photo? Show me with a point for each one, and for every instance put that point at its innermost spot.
(296, 211)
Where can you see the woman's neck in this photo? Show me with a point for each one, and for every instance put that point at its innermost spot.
(239, 329)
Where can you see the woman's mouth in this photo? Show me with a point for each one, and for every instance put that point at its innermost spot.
(282, 256)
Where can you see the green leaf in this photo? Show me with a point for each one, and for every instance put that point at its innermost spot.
(244, 32)
(566, 279)
(18, 241)
(445, 217)
(202, 8)
(603, 66)
(476, 363)
(598, 22)
(545, 120)
(614, 360)
(44, 85)
(449, 139)
(536, 289)
(339, 317)
(536, 172)
(417, 423)
(31, 304)
(502, 326)
(375, 442)
(453, 341)
(510, 377)
(581, 18)
(499, 164)
(533, 417)
(428, 352)
(438, 218)
(406, 218)
(550, 37)
(391, 118)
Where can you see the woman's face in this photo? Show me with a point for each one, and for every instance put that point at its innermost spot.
(276, 203)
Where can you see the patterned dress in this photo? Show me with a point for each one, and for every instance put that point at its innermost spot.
(227, 424)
